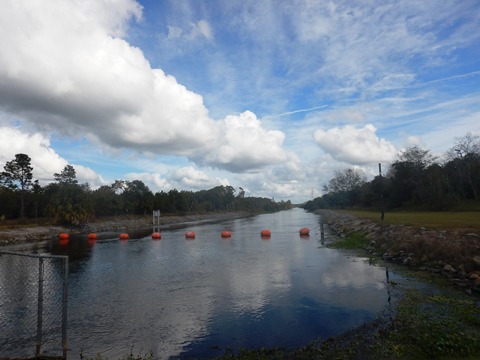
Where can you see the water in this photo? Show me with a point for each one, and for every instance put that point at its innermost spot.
(179, 297)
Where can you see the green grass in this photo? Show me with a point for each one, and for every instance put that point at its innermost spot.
(442, 326)
(429, 219)
(350, 242)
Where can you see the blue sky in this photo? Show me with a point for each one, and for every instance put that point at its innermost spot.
(270, 96)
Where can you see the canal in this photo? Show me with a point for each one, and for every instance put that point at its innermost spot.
(199, 297)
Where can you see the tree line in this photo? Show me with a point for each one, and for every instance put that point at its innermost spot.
(68, 202)
(416, 179)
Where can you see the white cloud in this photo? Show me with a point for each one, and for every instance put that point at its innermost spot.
(369, 49)
(44, 160)
(185, 178)
(356, 146)
(154, 181)
(87, 175)
(72, 68)
(64, 78)
(193, 179)
(243, 144)
(199, 29)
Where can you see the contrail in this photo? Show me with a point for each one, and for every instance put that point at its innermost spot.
(298, 111)
(454, 77)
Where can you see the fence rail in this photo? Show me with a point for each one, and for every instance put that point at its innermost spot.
(33, 305)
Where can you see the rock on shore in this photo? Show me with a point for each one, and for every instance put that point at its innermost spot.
(454, 253)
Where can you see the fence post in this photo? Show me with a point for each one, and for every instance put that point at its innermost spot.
(64, 307)
(382, 214)
(39, 305)
(47, 332)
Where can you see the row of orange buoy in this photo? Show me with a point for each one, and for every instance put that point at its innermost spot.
(265, 233)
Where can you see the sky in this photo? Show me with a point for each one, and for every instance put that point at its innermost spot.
(271, 96)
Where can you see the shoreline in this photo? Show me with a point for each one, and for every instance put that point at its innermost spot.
(451, 253)
(394, 332)
(23, 234)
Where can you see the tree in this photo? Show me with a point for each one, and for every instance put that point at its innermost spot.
(70, 203)
(464, 158)
(346, 180)
(344, 188)
(67, 176)
(18, 174)
(137, 197)
(407, 176)
(417, 157)
(241, 193)
(107, 201)
(37, 194)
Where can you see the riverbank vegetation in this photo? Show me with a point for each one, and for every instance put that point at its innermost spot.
(67, 202)
(433, 321)
(415, 180)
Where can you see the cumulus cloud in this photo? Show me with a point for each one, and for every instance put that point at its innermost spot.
(69, 67)
(356, 146)
(64, 68)
(45, 161)
(58, 75)
(244, 145)
(191, 178)
(154, 181)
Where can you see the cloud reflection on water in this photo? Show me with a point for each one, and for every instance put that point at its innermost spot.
(183, 297)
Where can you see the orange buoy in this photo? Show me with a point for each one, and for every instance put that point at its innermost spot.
(64, 241)
(91, 241)
(265, 233)
(92, 236)
(156, 235)
(304, 231)
(123, 236)
(64, 236)
(190, 235)
(226, 234)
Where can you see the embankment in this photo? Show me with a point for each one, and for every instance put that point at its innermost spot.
(32, 233)
(454, 253)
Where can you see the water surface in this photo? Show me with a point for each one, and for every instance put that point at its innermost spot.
(179, 297)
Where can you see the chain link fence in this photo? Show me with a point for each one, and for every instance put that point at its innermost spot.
(33, 305)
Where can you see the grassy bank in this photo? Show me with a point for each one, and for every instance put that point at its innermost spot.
(440, 324)
(428, 219)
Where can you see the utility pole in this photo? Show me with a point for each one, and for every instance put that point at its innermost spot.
(382, 216)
